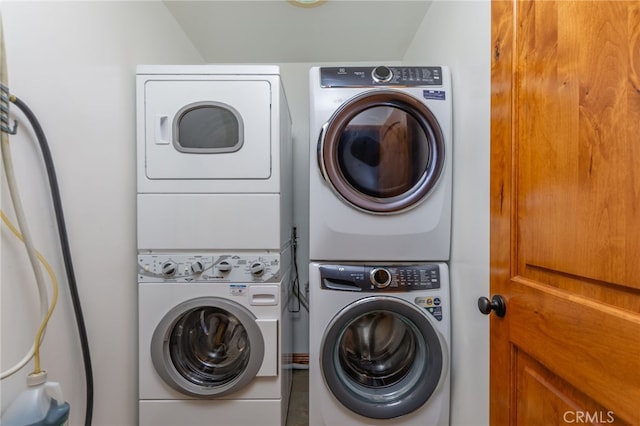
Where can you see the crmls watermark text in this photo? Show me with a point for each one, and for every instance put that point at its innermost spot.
(588, 417)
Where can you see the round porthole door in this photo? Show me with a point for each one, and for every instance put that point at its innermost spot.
(207, 347)
(382, 151)
(382, 358)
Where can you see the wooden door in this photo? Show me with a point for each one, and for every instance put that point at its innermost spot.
(565, 212)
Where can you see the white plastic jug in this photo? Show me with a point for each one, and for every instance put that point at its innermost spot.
(41, 404)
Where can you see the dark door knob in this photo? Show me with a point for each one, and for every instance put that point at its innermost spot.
(496, 304)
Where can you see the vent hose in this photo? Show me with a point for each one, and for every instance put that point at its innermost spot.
(66, 253)
(5, 130)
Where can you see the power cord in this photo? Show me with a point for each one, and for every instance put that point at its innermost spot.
(295, 283)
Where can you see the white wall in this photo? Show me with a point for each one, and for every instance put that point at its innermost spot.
(295, 78)
(74, 63)
(457, 33)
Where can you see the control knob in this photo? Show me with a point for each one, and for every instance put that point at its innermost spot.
(257, 268)
(169, 268)
(382, 74)
(380, 277)
(197, 267)
(224, 266)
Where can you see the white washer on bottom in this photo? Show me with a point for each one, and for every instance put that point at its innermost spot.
(214, 337)
(379, 341)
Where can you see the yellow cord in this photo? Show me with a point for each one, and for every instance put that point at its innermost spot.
(54, 299)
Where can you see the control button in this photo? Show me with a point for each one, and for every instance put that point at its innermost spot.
(380, 277)
(382, 74)
(257, 268)
(197, 267)
(169, 268)
(224, 266)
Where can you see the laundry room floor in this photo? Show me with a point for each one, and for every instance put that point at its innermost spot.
(299, 402)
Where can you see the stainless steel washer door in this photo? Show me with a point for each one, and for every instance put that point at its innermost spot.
(207, 347)
(382, 151)
(381, 357)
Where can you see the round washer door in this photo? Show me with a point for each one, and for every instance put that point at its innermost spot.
(381, 357)
(207, 347)
(382, 151)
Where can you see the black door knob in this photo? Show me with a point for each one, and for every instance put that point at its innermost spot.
(496, 304)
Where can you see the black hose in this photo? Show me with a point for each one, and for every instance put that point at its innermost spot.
(66, 252)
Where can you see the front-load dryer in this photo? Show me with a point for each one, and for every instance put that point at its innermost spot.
(379, 341)
(213, 158)
(381, 163)
(214, 339)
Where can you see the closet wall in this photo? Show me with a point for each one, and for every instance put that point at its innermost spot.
(73, 63)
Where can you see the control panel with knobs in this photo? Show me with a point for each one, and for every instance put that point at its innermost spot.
(224, 266)
(380, 277)
(169, 269)
(257, 268)
(243, 267)
(197, 267)
(382, 74)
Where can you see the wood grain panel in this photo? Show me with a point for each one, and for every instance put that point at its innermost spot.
(500, 202)
(633, 102)
(574, 86)
(582, 342)
(565, 211)
(552, 401)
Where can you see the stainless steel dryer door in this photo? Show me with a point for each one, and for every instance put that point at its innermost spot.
(207, 347)
(382, 151)
(381, 357)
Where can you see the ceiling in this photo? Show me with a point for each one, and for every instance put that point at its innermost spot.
(276, 31)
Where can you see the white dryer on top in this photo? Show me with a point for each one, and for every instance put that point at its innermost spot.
(381, 168)
(213, 156)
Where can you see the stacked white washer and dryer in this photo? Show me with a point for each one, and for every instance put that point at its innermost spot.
(380, 231)
(214, 229)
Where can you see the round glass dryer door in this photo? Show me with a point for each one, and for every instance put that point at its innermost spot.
(382, 151)
(381, 357)
(207, 347)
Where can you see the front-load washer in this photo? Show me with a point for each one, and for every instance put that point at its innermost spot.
(381, 168)
(214, 339)
(379, 341)
(213, 158)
